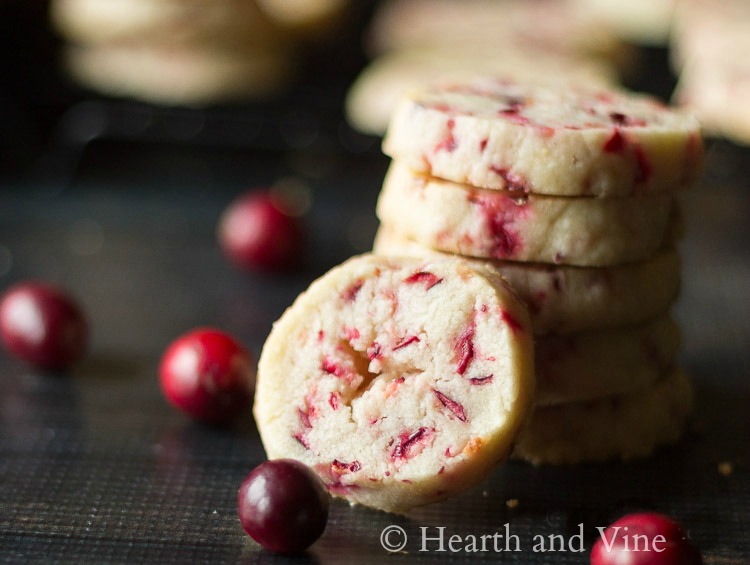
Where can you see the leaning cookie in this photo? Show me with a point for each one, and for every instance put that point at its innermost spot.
(619, 427)
(399, 381)
(564, 299)
(194, 22)
(595, 364)
(503, 224)
(179, 75)
(499, 134)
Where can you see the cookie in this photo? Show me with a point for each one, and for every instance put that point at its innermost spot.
(563, 299)
(193, 22)
(502, 224)
(399, 381)
(375, 92)
(305, 16)
(179, 75)
(645, 22)
(542, 26)
(713, 80)
(589, 365)
(569, 142)
(618, 427)
(717, 94)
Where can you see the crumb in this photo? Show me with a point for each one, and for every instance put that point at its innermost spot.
(485, 493)
(511, 503)
(725, 468)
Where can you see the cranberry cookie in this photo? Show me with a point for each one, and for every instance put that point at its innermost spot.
(499, 134)
(502, 224)
(564, 299)
(399, 381)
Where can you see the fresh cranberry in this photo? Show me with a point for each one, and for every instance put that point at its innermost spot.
(43, 325)
(256, 233)
(208, 374)
(644, 539)
(283, 505)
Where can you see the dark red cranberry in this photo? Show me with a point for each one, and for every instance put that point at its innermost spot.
(644, 539)
(256, 233)
(283, 505)
(43, 325)
(209, 375)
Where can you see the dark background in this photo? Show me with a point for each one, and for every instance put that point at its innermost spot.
(118, 201)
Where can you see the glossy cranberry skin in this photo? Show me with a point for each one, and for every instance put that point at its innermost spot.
(209, 375)
(256, 234)
(43, 325)
(283, 505)
(676, 549)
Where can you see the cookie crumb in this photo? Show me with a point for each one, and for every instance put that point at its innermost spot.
(485, 493)
(725, 468)
(511, 503)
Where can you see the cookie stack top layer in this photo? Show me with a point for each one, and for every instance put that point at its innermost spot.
(499, 134)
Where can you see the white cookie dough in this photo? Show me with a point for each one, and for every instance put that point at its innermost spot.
(618, 427)
(498, 134)
(507, 225)
(399, 381)
(563, 299)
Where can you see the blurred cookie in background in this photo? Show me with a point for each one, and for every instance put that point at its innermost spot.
(307, 18)
(708, 43)
(374, 94)
(415, 42)
(235, 23)
(646, 22)
(188, 52)
(558, 26)
(180, 75)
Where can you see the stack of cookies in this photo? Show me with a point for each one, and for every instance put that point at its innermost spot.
(571, 195)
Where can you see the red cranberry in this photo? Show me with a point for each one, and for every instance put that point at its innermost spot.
(283, 505)
(43, 325)
(208, 375)
(644, 539)
(256, 233)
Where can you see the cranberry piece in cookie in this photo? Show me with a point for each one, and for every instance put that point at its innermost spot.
(43, 325)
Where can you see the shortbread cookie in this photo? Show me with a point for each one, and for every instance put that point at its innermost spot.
(542, 26)
(179, 75)
(376, 91)
(399, 381)
(305, 16)
(641, 21)
(225, 22)
(571, 142)
(717, 92)
(618, 427)
(563, 299)
(585, 366)
(503, 224)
